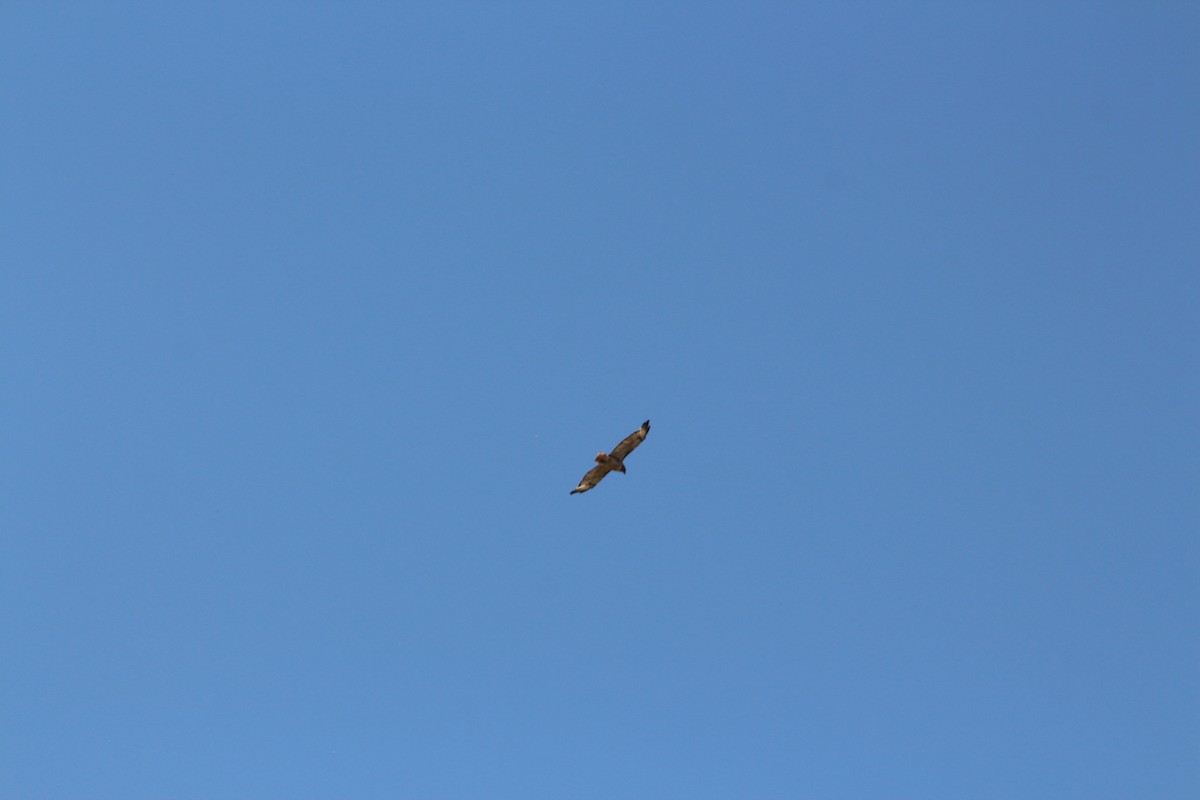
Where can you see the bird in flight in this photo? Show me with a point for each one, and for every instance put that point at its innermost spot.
(607, 462)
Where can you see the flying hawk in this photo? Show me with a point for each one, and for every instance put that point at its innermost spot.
(607, 462)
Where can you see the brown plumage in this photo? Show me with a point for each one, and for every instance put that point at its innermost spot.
(608, 462)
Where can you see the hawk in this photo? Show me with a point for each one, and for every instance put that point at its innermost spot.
(607, 462)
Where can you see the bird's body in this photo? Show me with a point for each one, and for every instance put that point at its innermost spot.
(614, 461)
(610, 462)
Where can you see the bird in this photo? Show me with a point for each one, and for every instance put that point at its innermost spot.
(607, 462)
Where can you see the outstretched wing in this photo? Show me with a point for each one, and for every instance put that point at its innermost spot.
(593, 476)
(631, 441)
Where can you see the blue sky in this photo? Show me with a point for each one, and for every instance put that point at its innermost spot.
(312, 315)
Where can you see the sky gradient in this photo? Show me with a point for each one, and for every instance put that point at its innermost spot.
(313, 314)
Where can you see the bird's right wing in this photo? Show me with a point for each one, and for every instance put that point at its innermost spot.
(631, 441)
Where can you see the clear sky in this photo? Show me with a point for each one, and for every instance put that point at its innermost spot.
(312, 314)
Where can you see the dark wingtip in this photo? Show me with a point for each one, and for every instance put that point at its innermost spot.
(646, 424)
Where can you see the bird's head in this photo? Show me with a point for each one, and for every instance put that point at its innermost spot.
(600, 457)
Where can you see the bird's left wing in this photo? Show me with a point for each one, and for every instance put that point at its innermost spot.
(591, 478)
